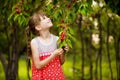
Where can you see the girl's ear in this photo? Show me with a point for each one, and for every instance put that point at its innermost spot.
(38, 28)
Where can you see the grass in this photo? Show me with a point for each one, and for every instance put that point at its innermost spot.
(22, 72)
(2, 75)
(67, 68)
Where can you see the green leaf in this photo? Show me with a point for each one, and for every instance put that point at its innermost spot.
(11, 15)
(19, 20)
(69, 43)
(104, 19)
(16, 17)
(71, 37)
(71, 31)
(56, 15)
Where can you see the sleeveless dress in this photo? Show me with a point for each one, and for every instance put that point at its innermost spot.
(53, 70)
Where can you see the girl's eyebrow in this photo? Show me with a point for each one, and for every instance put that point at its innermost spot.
(44, 16)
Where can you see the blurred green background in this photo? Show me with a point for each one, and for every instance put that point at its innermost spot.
(93, 27)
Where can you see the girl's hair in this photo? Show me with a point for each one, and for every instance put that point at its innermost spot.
(32, 23)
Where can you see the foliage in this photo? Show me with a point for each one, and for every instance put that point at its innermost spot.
(65, 15)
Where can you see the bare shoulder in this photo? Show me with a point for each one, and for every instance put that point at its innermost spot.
(33, 43)
(56, 37)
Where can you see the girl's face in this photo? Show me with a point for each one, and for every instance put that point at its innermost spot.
(45, 22)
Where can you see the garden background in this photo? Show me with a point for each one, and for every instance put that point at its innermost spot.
(93, 27)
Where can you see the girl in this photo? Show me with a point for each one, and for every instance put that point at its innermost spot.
(46, 57)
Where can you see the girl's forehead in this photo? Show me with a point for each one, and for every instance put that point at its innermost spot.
(42, 13)
(41, 16)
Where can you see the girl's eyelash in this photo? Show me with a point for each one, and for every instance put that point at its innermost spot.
(44, 17)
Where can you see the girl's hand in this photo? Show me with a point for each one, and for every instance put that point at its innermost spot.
(58, 52)
(65, 48)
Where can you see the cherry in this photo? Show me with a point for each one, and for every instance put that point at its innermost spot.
(18, 11)
(62, 21)
(62, 37)
(68, 5)
(74, 0)
(62, 26)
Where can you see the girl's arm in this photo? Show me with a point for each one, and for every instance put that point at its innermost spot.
(62, 56)
(62, 59)
(35, 55)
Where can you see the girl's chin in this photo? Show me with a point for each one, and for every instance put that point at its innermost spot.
(51, 25)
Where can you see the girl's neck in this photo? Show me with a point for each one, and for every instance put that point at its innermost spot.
(45, 34)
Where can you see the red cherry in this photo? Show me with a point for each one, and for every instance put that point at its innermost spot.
(62, 21)
(74, 0)
(62, 37)
(68, 5)
(62, 26)
(18, 11)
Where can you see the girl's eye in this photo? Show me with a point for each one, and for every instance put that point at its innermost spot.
(44, 17)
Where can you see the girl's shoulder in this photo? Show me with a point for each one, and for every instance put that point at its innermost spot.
(33, 41)
(55, 37)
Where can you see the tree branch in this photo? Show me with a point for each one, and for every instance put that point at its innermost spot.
(4, 61)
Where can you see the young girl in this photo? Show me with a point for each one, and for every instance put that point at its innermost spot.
(47, 58)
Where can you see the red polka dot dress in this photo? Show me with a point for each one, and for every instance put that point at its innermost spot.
(53, 70)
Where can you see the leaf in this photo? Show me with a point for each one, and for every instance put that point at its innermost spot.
(56, 15)
(58, 41)
(69, 43)
(104, 19)
(62, 44)
(16, 17)
(11, 15)
(89, 2)
(19, 20)
(71, 31)
(71, 37)
(55, 2)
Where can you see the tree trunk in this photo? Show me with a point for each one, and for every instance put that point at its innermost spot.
(83, 52)
(4, 62)
(117, 47)
(108, 50)
(117, 52)
(12, 69)
(100, 49)
(119, 57)
(82, 42)
(88, 41)
(90, 56)
(74, 60)
(96, 66)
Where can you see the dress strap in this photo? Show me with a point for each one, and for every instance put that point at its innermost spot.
(38, 43)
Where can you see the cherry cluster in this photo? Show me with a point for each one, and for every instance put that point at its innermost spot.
(17, 7)
(62, 36)
(63, 33)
